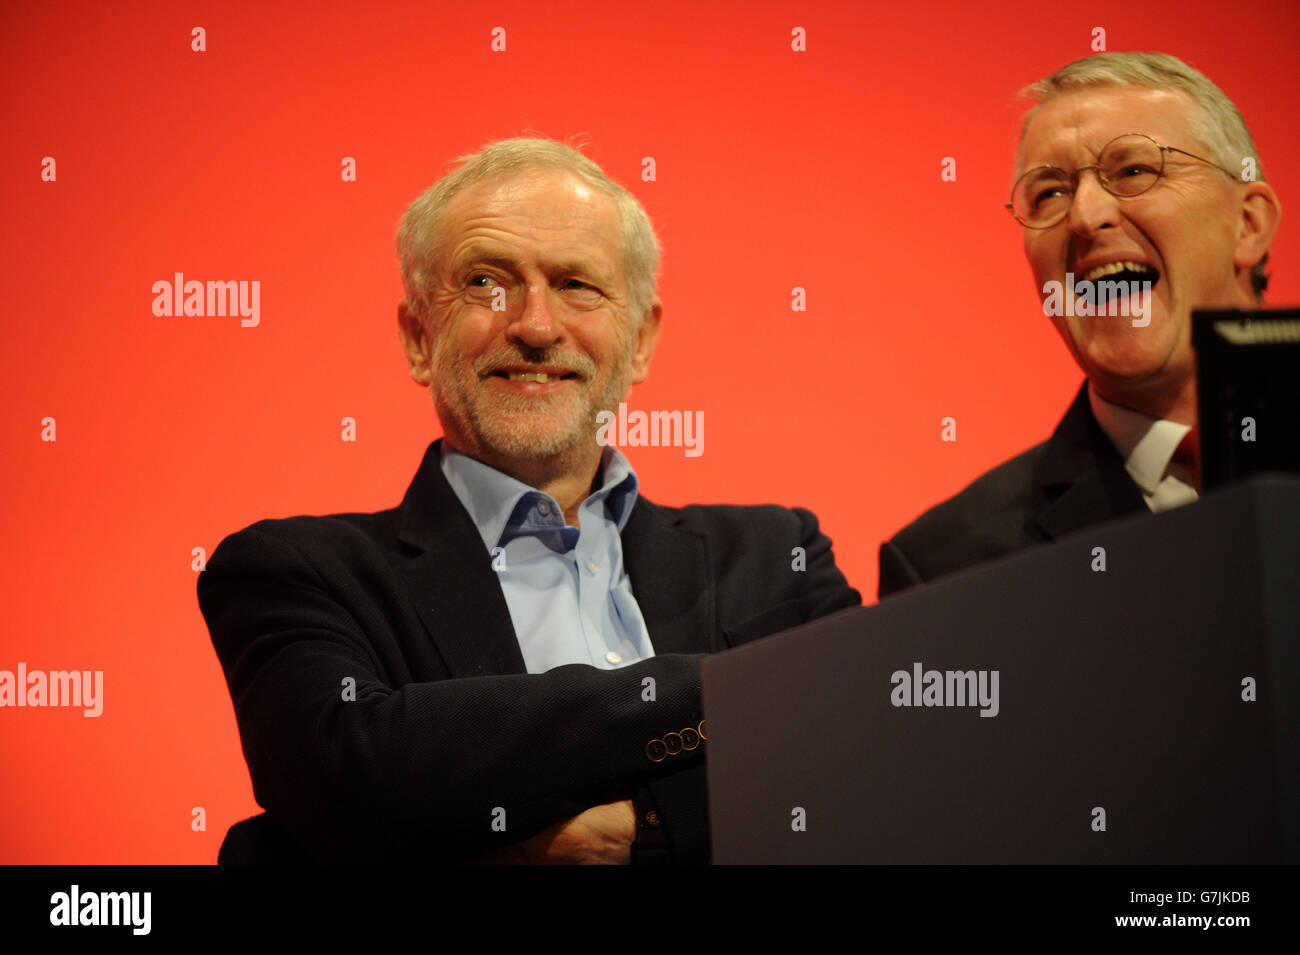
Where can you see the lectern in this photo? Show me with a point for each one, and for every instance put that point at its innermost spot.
(1129, 694)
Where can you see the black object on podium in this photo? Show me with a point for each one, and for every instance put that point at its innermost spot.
(1248, 394)
(1145, 713)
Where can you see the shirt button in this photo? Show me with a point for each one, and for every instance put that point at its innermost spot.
(613, 657)
(592, 566)
(543, 508)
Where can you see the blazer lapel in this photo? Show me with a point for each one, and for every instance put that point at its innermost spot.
(451, 579)
(1083, 475)
(668, 567)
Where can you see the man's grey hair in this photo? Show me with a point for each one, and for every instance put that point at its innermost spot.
(1218, 123)
(419, 238)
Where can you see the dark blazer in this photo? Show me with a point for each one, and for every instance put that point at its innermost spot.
(1073, 480)
(446, 728)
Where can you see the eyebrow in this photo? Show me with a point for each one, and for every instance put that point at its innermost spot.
(483, 252)
(486, 255)
(483, 257)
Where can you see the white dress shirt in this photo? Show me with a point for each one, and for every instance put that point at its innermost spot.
(1147, 446)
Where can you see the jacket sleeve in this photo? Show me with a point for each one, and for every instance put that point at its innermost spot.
(826, 588)
(356, 769)
(682, 798)
(896, 571)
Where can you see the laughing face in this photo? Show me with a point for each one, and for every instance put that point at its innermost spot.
(530, 334)
(1192, 235)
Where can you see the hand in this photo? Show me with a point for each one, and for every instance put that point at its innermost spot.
(602, 835)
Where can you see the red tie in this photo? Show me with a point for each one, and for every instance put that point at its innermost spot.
(1188, 453)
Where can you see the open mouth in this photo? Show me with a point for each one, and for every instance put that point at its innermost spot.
(1123, 272)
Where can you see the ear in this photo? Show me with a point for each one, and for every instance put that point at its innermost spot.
(1260, 214)
(647, 337)
(417, 343)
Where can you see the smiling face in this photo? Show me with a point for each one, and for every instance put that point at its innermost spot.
(530, 335)
(1192, 233)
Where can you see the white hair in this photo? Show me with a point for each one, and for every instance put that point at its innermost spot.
(419, 238)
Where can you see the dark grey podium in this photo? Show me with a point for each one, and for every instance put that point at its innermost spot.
(1145, 713)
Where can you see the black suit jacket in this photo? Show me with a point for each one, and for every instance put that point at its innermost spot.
(1073, 480)
(446, 729)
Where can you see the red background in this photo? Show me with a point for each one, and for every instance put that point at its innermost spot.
(775, 169)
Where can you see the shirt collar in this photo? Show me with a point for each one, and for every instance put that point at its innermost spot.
(492, 497)
(1147, 444)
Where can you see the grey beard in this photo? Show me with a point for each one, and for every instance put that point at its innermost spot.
(513, 432)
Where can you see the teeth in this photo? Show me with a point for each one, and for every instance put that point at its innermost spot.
(538, 376)
(1113, 268)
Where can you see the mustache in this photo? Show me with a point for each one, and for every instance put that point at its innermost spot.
(524, 355)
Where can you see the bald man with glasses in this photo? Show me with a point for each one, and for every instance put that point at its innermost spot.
(1136, 184)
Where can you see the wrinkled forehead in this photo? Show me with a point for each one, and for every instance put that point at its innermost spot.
(550, 195)
(1070, 130)
(547, 208)
(520, 184)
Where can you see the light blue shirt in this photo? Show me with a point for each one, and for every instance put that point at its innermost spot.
(569, 596)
